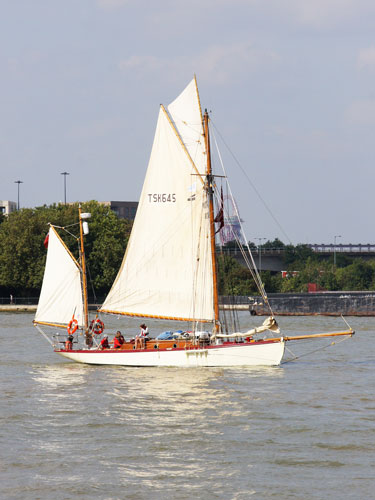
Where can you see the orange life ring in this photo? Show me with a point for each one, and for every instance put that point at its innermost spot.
(73, 325)
(97, 326)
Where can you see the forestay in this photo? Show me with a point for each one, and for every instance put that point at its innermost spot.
(61, 294)
(167, 267)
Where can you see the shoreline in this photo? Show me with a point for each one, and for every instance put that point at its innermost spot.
(224, 307)
(17, 308)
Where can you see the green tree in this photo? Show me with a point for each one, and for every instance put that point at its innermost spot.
(297, 254)
(276, 244)
(105, 244)
(234, 279)
(272, 282)
(360, 275)
(22, 254)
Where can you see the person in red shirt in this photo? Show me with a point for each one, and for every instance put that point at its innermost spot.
(104, 344)
(118, 340)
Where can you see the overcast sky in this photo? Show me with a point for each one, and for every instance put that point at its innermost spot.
(290, 85)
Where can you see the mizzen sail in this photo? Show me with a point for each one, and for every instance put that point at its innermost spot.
(61, 294)
(167, 268)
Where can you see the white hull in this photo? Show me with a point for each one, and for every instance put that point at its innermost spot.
(254, 354)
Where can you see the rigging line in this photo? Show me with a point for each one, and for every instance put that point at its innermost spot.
(91, 283)
(179, 138)
(253, 186)
(64, 229)
(312, 352)
(194, 143)
(230, 316)
(237, 215)
(252, 268)
(196, 263)
(235, 235)
(71, 234)
(254, 272)
(69, 225)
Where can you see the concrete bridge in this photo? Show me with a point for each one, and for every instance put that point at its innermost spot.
(272, 259)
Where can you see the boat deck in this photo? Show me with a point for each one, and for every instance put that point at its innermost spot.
(175, 345)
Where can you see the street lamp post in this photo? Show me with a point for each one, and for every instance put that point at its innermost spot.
(260, 252)
(18, 193)
(334, 248)
(64, 174)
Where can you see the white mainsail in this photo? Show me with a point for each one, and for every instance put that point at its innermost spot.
(167, 267)
(61, 294)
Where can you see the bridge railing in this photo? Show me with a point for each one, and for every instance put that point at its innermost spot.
(254, 251)
(346, 248)
(315, 247)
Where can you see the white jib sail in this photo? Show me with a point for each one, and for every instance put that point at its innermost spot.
(61, 294)
(167, 268)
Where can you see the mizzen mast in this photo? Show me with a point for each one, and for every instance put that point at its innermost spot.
(209, 177)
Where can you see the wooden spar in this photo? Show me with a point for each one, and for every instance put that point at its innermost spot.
(212, 222)
(142, 315)
(314, 336)
(66, 248)
(55, 325)
(182, 143)
(199, 100)
(84, 277)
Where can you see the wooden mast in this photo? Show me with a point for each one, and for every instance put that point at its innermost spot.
(212, 222)
(84, 277)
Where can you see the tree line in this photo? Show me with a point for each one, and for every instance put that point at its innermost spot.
(303, 266)
(23, 255)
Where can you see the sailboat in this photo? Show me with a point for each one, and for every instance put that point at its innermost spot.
(169, 270)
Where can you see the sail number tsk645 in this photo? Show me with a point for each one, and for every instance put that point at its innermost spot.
(162, 198)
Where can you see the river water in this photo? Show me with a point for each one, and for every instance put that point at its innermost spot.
(304, 430)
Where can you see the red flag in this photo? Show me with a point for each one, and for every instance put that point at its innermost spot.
(45, 243)
(220, 215)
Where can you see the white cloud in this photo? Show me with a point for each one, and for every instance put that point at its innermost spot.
(218, 63)
(366, 57)
(361, 113)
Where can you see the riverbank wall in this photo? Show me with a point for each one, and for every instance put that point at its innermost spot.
(307, 304)
(282, 304)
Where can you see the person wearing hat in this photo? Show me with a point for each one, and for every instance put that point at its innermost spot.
(104, 344)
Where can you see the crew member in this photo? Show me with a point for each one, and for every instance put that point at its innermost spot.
(104, 344)
(89, 341)
(140, 340)
(118, 340)
(69, 343)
